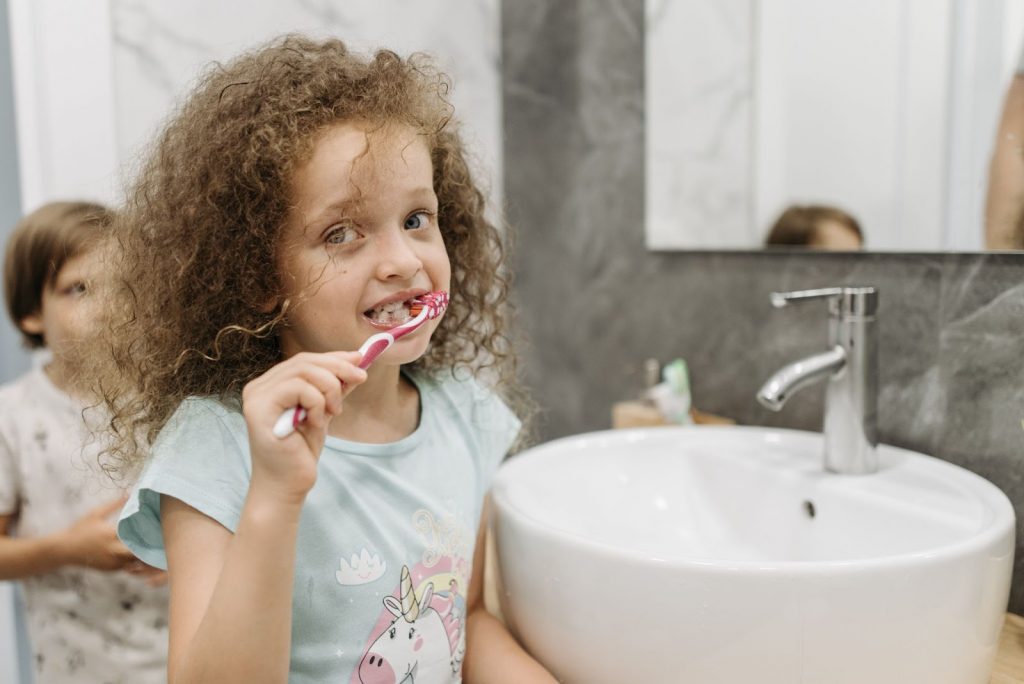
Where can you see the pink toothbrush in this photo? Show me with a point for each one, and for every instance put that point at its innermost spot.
(424, 308)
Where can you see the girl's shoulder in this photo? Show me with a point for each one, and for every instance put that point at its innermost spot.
(197, 407)
(201, 418)
(200, 457)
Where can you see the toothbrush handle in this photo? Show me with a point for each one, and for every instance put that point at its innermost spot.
(287, 421)
(374, 346)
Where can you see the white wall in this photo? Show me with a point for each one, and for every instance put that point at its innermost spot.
(64, 99)
(93, 80)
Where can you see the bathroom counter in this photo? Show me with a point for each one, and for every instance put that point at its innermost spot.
(1009, 667)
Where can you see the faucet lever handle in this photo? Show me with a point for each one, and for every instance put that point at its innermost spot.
(843, 301)
(781, 299)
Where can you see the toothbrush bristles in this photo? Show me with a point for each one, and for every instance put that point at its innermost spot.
(434, 302)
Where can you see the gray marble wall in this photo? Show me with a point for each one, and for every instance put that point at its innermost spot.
(594, 302)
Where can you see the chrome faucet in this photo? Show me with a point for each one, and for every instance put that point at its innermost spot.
(851, 366)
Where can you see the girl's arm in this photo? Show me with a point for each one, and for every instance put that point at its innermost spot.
(90, 542)
(231, 594)
(492, 655)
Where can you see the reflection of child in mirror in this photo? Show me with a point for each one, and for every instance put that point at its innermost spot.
(816, 226)
(299, 201)
(1004, 204)
(94, 612)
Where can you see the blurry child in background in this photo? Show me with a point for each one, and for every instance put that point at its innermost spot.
(94, 612)
(816, 227)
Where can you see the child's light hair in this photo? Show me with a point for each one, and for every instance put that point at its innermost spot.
(200, 234)
(42, 242)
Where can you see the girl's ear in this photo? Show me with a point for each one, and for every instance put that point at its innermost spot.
(32, 324)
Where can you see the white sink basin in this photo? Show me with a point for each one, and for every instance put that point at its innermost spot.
(727, 555)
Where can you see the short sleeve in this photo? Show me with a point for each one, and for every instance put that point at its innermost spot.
(497, 428)
(9, 480)
(201, 458)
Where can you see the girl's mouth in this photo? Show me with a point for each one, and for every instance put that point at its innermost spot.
(389, 315)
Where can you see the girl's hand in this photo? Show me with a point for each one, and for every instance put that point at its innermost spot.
(92, 540)
(286, 468)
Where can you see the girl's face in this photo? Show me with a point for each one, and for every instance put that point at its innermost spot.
(361, 240)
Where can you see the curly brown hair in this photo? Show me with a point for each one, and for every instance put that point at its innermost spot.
(201, 226)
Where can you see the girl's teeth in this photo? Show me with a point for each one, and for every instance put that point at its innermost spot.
(390, 314)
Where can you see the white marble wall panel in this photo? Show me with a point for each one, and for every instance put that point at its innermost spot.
(698, 105)
(63, 100)
(160, 48)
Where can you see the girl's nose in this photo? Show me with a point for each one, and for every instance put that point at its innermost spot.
(398, 259)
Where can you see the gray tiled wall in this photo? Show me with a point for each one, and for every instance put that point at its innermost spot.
(594, 302)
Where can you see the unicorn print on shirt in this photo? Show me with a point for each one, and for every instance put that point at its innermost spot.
(424, 642)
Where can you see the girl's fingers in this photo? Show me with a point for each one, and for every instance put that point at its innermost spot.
(318, 383)
(343, 365)
(327, 382)
(335, 362)
(299, 392)
(341, 368)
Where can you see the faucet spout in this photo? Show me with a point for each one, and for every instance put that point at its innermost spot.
(799, 374)
(851, 366)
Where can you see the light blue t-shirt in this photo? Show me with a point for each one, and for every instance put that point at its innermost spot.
(382, 519)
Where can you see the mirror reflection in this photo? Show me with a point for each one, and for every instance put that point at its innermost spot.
(764, 118)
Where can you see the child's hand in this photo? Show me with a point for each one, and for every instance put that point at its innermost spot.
(154, 577)
(319, 383)
(92, 540)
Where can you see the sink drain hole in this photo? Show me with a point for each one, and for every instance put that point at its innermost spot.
(809, 508)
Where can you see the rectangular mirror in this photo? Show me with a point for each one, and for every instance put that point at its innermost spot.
(884, 110)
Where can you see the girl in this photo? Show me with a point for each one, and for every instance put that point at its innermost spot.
(293, 207)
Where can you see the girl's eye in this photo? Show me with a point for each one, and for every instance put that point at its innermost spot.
(77, 289)
(418, 220)
(342, 235)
